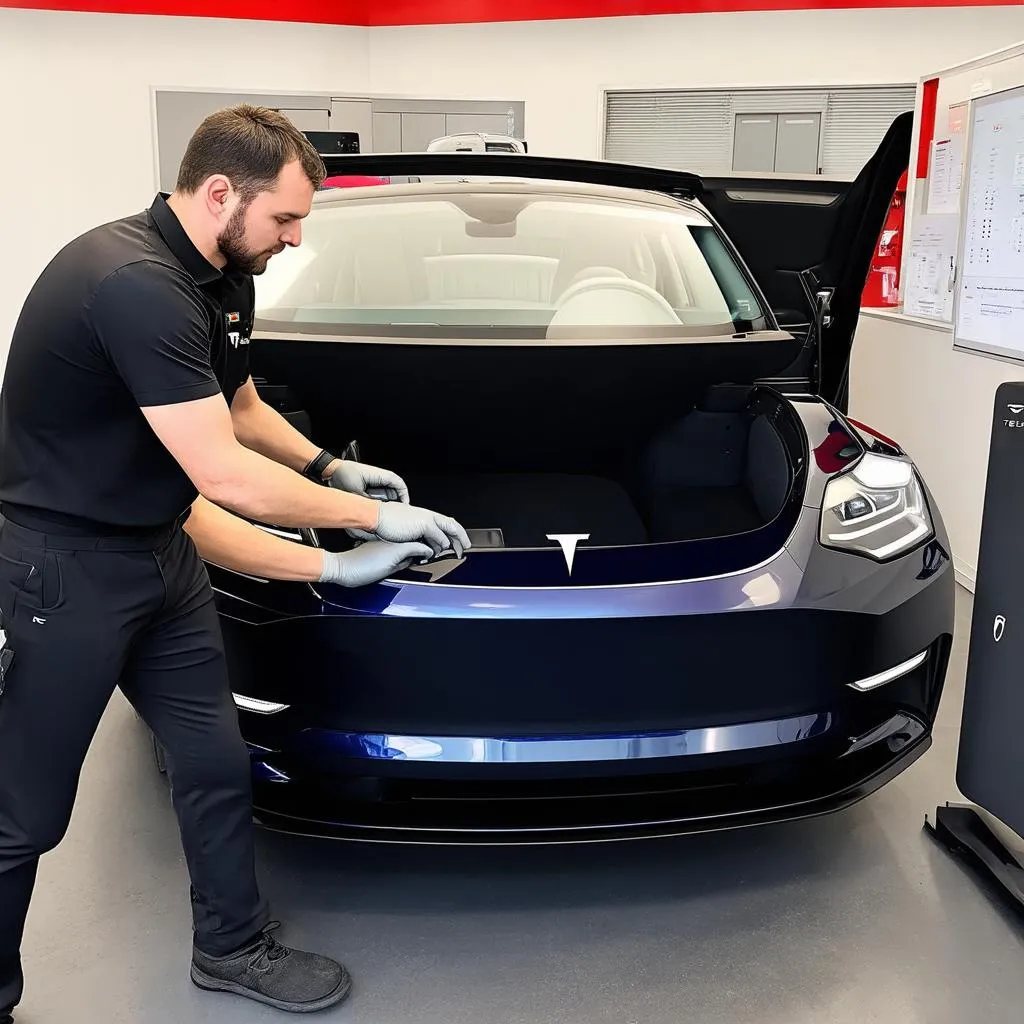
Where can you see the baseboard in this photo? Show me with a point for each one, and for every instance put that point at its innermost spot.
(966, 575)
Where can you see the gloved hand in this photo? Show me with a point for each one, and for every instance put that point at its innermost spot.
(370, 562)
(403, 524)
(358, 478)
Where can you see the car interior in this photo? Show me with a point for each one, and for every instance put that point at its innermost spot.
(497, 259)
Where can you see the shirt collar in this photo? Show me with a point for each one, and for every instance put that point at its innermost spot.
(198, 266)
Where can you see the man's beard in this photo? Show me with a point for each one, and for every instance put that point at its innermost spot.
(233, 248)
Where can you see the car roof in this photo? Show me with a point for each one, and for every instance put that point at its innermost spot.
(526, 186)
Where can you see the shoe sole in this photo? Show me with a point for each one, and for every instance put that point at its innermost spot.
(211, 984)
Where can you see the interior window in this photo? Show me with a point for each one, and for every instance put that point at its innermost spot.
(499, 260)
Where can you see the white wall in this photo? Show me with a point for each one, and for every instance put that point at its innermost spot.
(77, 130)
(560, 68)
(908, 381)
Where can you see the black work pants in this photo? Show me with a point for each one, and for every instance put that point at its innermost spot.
(83, 616)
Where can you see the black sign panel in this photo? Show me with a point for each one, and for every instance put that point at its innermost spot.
(332, 143)
(990, 771)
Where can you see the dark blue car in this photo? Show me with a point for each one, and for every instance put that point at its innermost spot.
(699, 595)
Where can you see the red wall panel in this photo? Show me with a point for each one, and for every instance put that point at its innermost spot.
(437, 12)
(929, 103)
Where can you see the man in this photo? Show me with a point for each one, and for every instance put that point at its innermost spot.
(126, 397)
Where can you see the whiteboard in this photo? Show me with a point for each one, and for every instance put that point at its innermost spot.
(990, 296)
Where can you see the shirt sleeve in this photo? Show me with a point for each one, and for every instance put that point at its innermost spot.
(155, 331)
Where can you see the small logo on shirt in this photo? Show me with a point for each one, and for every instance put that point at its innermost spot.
(236, 338)
(233, 318)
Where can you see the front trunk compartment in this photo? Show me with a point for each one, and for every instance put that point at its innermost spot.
(708, 474)
(631, 445)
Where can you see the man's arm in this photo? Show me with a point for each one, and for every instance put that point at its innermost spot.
(201, 437)
(264, 430)
(235, 544)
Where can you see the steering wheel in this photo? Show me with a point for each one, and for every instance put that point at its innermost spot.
(612, 300)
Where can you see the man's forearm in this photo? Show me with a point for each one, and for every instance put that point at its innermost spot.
(255, 486)
(228, 541)
(263, 429)
(201, 437)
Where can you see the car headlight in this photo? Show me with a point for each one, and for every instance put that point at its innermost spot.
(876, 509)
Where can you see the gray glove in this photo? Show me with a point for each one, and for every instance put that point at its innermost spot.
(370, 562)
(403, 524)
(360, 478)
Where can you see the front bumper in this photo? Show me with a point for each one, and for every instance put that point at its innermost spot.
(523, 731)
(658, 799)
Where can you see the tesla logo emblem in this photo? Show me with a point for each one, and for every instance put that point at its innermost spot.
(568, 542)
(1016, 409)
(999, 628)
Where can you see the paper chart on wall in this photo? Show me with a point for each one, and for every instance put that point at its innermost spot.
(931, 269)
(946, 175)
(990, 310)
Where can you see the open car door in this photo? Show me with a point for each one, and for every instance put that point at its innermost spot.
(810, 237)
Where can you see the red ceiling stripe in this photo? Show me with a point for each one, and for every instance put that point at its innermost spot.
(430, 12)
(437, 12)
(349, 12)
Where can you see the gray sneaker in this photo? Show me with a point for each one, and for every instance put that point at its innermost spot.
(271, 973)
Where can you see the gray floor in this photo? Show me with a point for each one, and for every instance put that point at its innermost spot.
(859, 917)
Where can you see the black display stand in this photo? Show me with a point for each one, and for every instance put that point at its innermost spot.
(990, 759)
(965, 834)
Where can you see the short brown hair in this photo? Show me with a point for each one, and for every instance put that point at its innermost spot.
(248, 145)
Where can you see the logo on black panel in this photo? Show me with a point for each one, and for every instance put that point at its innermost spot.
(236, 338)
(1015, 410)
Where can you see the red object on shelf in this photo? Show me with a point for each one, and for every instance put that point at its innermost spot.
(353, 181)
(882, 287)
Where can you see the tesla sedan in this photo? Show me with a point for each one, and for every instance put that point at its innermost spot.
(699, 594)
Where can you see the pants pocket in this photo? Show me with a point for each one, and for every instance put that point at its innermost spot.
(15, 572)
(31, 578)
(15, 575)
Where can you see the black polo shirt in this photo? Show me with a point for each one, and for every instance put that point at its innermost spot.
(130, 314)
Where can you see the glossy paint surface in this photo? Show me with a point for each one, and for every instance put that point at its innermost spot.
(550, 750)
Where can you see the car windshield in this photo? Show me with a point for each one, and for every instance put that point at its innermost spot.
(504, 261)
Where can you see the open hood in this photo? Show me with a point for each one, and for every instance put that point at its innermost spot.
(807, 241)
